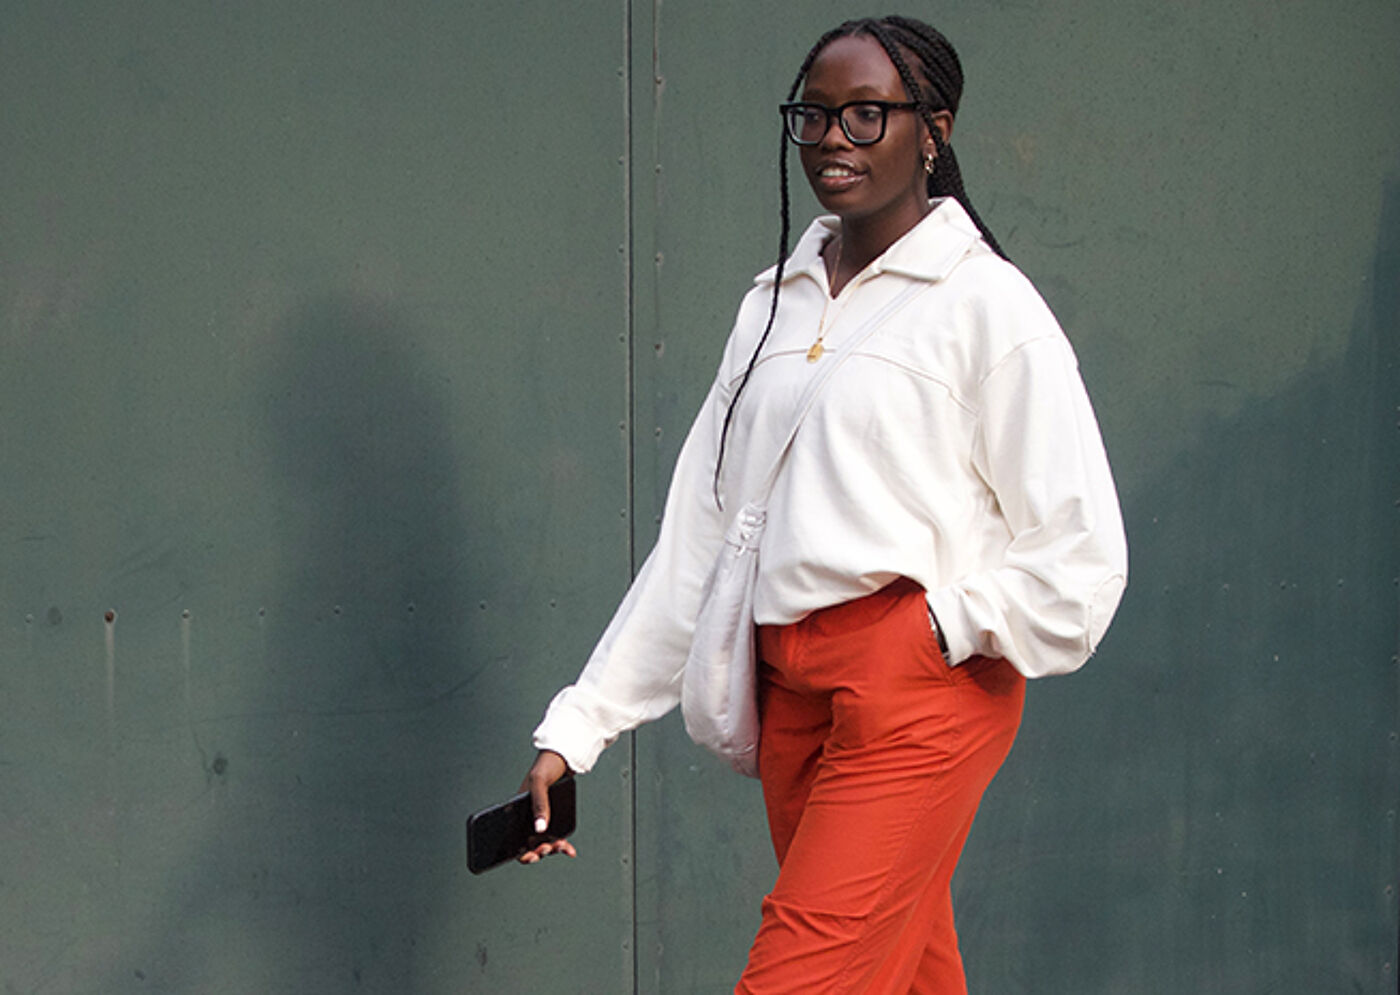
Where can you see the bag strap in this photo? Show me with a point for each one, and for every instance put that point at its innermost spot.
(809, 395)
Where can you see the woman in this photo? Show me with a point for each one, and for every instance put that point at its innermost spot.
(944, 526)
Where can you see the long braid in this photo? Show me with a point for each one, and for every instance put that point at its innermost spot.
(772, 313)
(784, 232)
(942, 70)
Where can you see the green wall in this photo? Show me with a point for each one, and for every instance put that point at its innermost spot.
(344, 352)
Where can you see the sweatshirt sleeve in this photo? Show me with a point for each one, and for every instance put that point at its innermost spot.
(1047, 604)
(634, 673)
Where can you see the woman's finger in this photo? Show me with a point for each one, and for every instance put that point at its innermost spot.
(547, 768)
(535, 855)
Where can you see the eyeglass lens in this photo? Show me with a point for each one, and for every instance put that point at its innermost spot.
(862, 123)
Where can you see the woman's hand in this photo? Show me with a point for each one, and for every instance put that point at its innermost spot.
(547, 768)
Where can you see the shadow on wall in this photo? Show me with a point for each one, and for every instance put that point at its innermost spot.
(1224, 772)
(321, 868)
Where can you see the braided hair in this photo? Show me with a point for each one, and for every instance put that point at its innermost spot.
(938, 66)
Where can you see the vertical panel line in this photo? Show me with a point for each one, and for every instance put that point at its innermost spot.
(629, 380)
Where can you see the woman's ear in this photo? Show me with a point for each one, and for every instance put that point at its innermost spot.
(928, 148)
(943, 121)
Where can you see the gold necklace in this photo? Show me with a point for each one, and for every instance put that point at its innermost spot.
(818, 350)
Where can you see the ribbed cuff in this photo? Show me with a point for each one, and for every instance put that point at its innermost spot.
(568, 733)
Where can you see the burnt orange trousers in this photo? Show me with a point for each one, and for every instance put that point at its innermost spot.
(874, 755)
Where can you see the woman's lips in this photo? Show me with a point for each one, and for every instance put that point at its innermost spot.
(835, 177)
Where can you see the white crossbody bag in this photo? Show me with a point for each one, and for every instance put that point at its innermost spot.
(719, 696)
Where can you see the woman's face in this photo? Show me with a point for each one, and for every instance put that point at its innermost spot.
(881, 184)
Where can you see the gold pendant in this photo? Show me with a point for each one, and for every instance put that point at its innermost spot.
(815, 353)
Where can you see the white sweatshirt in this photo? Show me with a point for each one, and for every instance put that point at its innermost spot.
(956, 447)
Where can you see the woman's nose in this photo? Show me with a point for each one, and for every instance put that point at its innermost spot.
(835, 135)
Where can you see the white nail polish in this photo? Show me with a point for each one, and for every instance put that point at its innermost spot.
(540, 825)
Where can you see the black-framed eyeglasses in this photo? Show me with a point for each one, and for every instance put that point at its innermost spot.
(862, 121)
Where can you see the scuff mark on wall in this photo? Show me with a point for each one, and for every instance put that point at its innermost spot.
(110, 632)
(186, 624)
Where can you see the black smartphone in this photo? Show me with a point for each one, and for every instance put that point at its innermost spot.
(503, 832)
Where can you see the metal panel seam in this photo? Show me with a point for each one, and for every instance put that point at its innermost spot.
(629, 457)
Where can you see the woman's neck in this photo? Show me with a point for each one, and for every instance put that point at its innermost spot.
(860, 242)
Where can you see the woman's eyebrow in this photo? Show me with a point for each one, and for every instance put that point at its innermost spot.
(863, 92)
